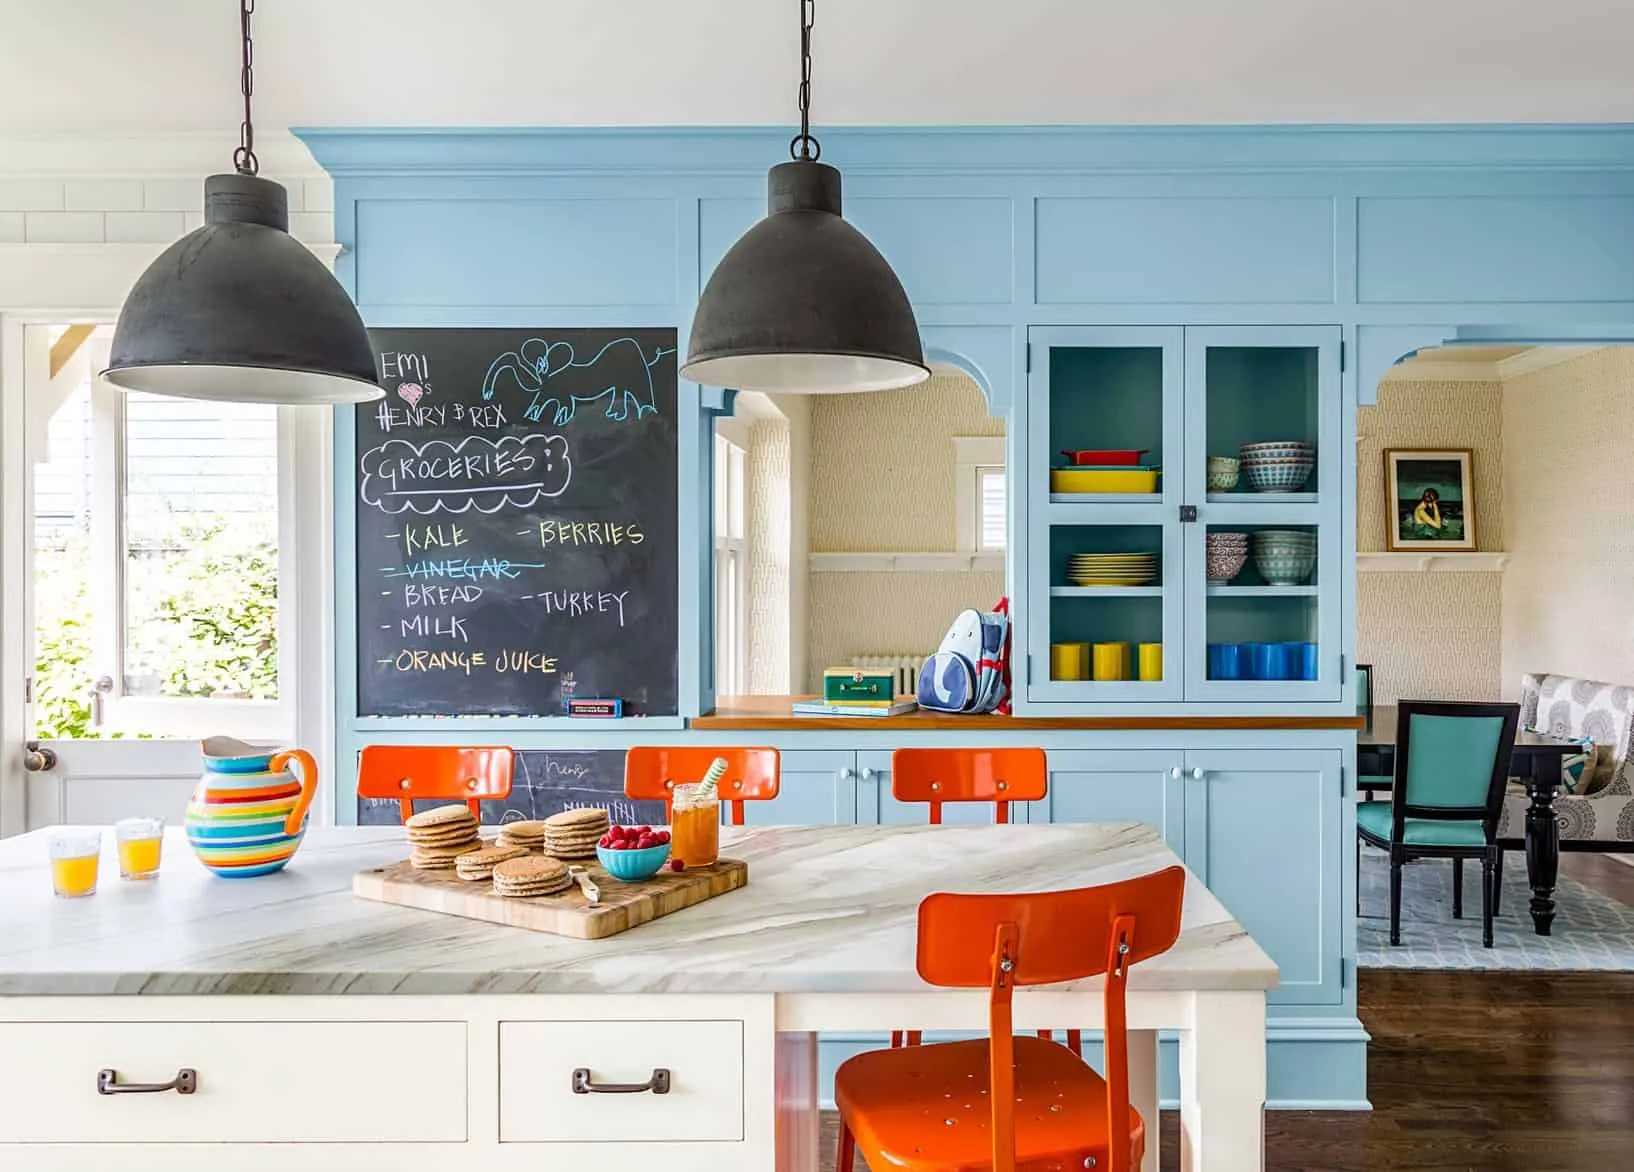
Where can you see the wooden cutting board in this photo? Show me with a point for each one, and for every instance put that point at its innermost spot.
(622, 906)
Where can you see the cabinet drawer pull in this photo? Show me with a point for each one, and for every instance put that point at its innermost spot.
(185, 1083)
(658, 1084)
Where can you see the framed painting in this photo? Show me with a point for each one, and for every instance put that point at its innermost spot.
(1430, 499)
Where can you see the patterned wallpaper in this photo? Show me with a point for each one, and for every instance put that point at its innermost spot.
(899, 444)
(1568, 594)
(768, 522)
(1435, 635)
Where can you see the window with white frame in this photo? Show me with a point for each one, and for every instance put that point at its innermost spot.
(979, 493)
(731, 567)
(161, 531)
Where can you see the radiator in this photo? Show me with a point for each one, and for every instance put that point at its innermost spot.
(905, 666)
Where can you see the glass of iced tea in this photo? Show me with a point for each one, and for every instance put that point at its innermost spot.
(695, 826)
(140, 842)
(75, 855)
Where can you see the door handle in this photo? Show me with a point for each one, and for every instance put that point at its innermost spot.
(1197, 773)
(185, 1083)
(583, 1084)
(102, 687)
(868, 775)
(38, 760)
(1174, 773)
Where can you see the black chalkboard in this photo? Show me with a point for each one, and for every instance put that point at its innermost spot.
(545, 782)
(516, 522)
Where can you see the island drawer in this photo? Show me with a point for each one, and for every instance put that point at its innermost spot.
(542, 1100)
(255, 1082)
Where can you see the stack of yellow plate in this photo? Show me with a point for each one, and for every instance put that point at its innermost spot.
(1112, 569)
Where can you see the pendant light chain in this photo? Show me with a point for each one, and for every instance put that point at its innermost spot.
(804, 147)
(244, 157)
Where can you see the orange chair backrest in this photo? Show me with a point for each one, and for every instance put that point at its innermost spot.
(407, 772)
(1000, 776)
(1002, 941)
(651, 773)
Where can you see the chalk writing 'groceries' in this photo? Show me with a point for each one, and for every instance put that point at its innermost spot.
(476, 472)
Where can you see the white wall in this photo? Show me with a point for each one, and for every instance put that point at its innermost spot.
(172, 65)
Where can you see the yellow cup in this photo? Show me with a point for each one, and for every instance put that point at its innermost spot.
(1069, 661)
(1151, 662)
(1111, 661)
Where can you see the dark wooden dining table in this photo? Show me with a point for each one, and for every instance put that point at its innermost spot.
(1535, 763)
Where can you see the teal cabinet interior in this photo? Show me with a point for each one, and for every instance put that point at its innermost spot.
(1108, 566)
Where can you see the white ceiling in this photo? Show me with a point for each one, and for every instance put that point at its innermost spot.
(160, 65)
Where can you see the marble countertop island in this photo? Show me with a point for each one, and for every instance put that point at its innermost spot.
(828, 909)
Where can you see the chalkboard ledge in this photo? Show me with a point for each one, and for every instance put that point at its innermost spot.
(625, 724)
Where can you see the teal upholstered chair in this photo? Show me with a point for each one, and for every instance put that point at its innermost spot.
(1367, 783)
(1452, 763)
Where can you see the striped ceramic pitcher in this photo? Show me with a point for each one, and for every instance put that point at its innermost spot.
(249, 811)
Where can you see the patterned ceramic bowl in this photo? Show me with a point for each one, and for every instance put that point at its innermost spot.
(1278, 477)
(1278, 448)
(1222, 565)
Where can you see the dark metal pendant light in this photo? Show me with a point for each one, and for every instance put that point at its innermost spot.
(803, 303)
(239, 310)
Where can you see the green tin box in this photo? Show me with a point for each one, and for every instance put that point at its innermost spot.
(859, 685)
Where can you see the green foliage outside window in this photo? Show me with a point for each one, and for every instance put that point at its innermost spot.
(201, 615)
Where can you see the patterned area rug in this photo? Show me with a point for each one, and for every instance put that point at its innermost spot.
(1591, 931)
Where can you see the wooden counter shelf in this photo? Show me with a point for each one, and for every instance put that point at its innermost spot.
(775, 714)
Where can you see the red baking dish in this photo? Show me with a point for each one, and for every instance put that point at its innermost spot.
(1105, 457)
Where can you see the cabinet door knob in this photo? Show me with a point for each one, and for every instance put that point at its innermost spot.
(848, 774)
(868, 775)
(1197, 773)
(1174, 773)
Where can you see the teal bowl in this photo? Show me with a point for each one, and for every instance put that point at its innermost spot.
(633, 866)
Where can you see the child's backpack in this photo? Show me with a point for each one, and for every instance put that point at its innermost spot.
(970, 671)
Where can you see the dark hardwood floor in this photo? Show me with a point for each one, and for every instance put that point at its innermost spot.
(1477, 1072)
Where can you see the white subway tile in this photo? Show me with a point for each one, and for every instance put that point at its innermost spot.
(320, 194)
(30, 195)
(192, 220)
(312, 227)
(144, 227)
(173, 195)
(103, 195)
(11, 227)
(293, 191)
(62, 227)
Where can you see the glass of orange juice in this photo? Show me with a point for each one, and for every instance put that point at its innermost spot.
(695, 826)
(140, 841)
(74, 858)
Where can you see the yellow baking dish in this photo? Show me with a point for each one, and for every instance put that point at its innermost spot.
(1123, 480)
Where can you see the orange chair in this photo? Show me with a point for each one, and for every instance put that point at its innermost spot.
(652, 772)
(1000, 776)
(895, 1105)
(408, 772)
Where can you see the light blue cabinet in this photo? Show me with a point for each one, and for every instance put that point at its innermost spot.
(817, 787)
(1133, 567)
(1263, 834)
(1139, 785)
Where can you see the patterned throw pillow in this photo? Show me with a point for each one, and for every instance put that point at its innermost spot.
(1576, 769)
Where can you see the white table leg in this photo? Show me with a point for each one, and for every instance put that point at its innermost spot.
(799, 1120)
(1222, 1084)
(1143, 1089)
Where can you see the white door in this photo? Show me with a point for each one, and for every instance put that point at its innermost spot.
(147, 549)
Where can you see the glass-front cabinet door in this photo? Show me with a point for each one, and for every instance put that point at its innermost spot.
(1263, 466)
(1106, 554)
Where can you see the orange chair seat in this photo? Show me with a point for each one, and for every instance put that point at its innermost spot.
(898, 1101)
